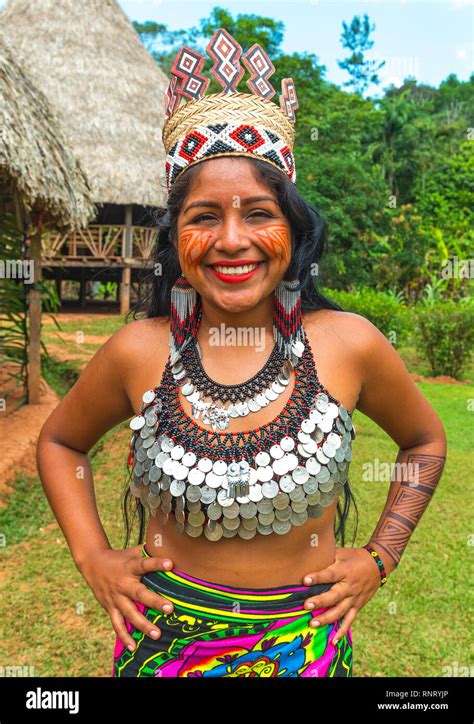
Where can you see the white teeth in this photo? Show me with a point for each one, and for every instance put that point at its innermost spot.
(235, 269)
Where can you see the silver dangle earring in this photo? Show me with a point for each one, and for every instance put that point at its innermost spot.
(287, 325)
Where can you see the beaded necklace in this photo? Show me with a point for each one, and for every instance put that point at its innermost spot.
(264, 480)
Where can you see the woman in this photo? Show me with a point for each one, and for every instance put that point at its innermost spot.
(239, 573)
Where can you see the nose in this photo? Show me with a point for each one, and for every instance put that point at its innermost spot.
(232, 236)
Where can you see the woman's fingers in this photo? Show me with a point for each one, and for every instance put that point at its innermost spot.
(344, 627)
(151, 599)
(155, 563)
(140, 622)
(331, 574)
(328, 598)
(332, 615)
(121, 629)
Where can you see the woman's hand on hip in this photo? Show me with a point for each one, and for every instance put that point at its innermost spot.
(114, 578)
(355, 579)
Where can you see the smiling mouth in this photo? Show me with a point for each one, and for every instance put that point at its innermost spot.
(234, 271)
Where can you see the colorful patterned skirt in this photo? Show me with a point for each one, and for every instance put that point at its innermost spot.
(219, 630)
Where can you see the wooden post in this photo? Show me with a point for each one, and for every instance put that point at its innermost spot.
(127, 252)
(59, 285)
(82, 290)
(34, 312)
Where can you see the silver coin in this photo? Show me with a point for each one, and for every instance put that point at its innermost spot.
(339, 454)
(298, 506)
(332, 410)
(313, 498)
(189, 459)
(303, 436)
(231, 523)
(214, 511)
(265, 506)
(287, 444)
(250, 523)
(194, 397)
(177, 367)
(169, 466)
(315, 511)
(291, 461)
(348, 423)
(297, 494)
(326, 487)
(340, 426)
(193, 493)
(327, 499)
(141, 455)
(248, 510)
(280, 466)
(264, 474)
(348, 454)
(246, 534)
(326, 423)
(254, 406)
(286, 483)
(321, 457)
(334, 439)
(196, 519)
(153, 451)
(136, 423)
(228, 533)
(177, 487)
(277, 387)
(244, 466)
(281, 526)
(266, 518)
(148, 396)
(328, 449)
(302, 451)
(243, 409)
(194, 506)
(270, 489)
(280, 501)
(315, 416)
(219, 467)
(323, 475)
(321, 405)
(223, 499)
(138, 470)
(167, 444)
(213, 531)
(313, 466)
(147, 464)
(147, 442)
(310, 447)
(255, 493)
(180, 375)
(181, 472)
(300, 475)
(196, 476)
(262, 458)
(146, 432)
(262, 400)
(151, 418)
(177, 452)
(154, 474)
(343, 413)
(283, 514)
(299, 518)
(264, 529)
(308, 425)
(215, 481)
(187, 389)
(194, 531)
(205, 464)
(276, 452)
(311, 485)
(332, 466)
(231, 511)
(208, 495)
(270, 395)
(232, 411)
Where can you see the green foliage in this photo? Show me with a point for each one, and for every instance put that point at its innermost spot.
(356, 38)
(385, 310)
(445, 332)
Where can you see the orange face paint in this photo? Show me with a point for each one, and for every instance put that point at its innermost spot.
(193, 244)
(276, 240)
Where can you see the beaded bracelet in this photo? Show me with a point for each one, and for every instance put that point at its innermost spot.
(378, 560)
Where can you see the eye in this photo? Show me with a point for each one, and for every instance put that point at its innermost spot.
(203, 217)
(260, 213)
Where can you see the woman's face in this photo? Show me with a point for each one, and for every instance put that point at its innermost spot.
(229, 220)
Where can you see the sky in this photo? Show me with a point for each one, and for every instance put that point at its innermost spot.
(427, 39)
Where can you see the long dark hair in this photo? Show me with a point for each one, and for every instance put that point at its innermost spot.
(309, 244)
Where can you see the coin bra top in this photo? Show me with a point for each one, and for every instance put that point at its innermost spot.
(288, 469)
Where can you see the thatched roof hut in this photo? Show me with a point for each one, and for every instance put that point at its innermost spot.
(106, 88)
(35, 159)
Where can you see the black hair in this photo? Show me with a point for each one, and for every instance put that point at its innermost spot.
(309, 244)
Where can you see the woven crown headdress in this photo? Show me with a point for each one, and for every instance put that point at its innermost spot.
(229, 122)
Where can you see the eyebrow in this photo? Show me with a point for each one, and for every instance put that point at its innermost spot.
(244, 201)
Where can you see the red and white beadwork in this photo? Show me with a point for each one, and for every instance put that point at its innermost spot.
(221, 138)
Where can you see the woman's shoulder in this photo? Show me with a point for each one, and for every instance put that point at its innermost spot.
(347, 328)
(138, 339)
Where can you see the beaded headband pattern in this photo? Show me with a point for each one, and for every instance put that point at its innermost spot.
(229, 122)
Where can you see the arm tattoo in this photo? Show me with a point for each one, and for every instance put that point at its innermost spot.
(408, 505)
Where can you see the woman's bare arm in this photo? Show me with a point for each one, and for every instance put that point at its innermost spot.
(391, 398)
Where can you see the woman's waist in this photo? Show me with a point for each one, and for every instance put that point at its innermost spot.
(267, 561)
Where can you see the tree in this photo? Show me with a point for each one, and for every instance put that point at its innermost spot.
(356, 37)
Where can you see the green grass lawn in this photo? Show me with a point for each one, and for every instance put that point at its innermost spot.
(417, 624)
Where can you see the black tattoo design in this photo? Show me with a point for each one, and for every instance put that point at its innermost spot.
(407, 507)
